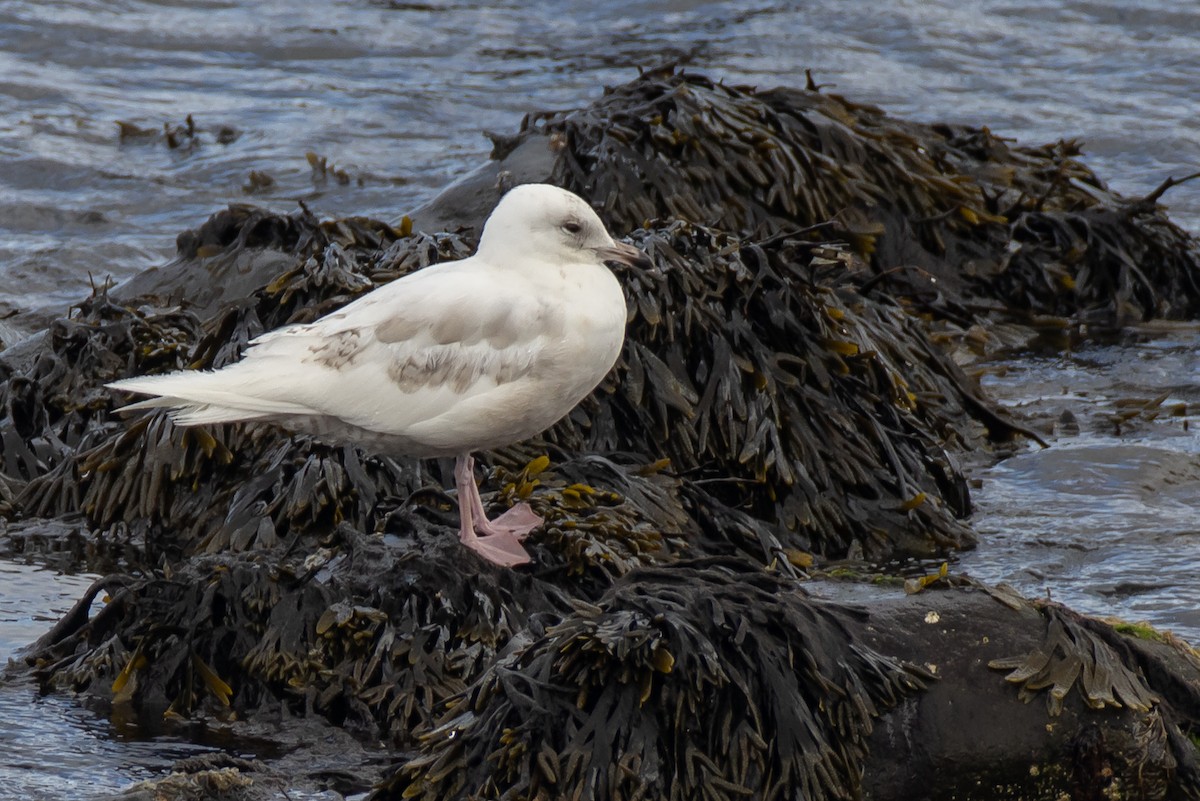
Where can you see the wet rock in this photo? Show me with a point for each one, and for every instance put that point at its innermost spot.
(467, 202)
(297, 759)
(1067, 424)
(699, 679)
(211, 777)
(240, 249)
(223, 784)
(1031, 701)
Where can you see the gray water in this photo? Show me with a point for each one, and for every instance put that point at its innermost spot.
(50, 746)
(1105, 520)
(396, 96)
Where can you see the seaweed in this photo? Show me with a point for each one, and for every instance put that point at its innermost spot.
(788, 397)
(771, 387)
(952, 218)
(57, 405)
(1072, 654)
(369, 635)
(779, 401)
(707, 679)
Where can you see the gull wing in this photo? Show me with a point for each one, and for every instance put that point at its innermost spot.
(397, 357)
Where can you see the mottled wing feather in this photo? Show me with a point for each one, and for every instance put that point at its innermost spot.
(406, 352)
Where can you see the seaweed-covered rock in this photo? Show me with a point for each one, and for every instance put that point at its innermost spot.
(999, 228)
(699, 680)
(777, 399)
(1030, 227)
(239, 249)
(270, 579)
(365, 632)
(772, 385)
(53, 404)
(786, 394)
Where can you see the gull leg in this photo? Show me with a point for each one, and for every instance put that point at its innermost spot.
(500, 544)
(516, 522)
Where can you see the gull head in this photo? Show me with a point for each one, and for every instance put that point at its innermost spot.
(543, 221)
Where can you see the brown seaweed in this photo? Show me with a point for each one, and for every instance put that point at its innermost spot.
(57, 405)
(1021, 230)
(1075, 655)
(703, 680)
(778, 397)
(370, 635)
(786, 396)
(772, 389)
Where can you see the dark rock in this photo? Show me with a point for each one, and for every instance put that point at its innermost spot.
(1077, 713)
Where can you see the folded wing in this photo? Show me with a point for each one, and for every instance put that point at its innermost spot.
(395, 358)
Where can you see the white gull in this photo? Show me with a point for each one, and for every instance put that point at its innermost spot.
(458, 357)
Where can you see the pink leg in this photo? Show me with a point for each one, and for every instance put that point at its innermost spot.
(496, 540)
(517, 521)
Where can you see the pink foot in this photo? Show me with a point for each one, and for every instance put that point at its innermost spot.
(516, 522)
(498, 540)
(502, 549)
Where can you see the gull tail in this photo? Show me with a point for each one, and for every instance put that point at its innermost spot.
(204, 397)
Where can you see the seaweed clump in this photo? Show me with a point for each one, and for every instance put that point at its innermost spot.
(1017, 230)
(54, 404)
(778, 393)
(1076, 655)
(702, 680)
(369, 635)
(261, 586)
(207, 490)
(777, 390)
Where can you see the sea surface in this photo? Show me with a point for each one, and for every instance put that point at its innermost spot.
(124, 122)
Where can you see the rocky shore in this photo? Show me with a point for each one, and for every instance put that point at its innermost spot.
(790, 413)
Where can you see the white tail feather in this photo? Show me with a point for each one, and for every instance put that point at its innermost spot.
(205, 397)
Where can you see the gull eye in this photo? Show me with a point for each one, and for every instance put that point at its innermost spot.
(572, 227)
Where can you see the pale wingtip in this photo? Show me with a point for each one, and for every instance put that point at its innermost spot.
(149, 403)
(181, 411)
(128, 385)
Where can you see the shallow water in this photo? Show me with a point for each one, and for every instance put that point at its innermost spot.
(395, 95)
(50, 746)
(1105, 520)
